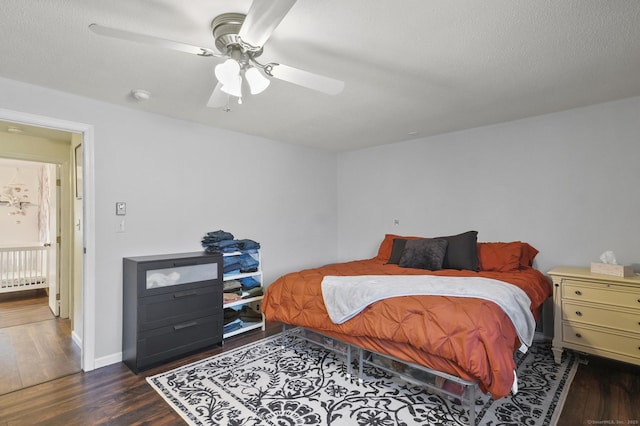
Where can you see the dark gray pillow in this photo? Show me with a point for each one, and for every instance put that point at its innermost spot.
(462, 251)
(396, 250)
(423, 254)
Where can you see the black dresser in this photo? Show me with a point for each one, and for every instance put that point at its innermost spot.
(172, 306)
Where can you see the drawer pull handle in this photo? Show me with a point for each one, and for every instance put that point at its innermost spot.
(184, 294)
(187, 263)
(185, 325)
(578, 293)
(578, 335)
(578, 313)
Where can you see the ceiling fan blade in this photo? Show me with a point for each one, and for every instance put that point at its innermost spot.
(262, 18)
(307, 79)
(150, 40)
(218, 97)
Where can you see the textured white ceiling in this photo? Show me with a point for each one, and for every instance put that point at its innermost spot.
(412, 68)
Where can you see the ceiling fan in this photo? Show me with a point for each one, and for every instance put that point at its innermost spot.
(239, 39)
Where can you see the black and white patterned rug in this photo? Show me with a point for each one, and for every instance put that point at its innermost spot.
(264, 384)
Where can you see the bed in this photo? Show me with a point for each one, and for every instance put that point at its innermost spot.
(23, 268)
(470, 338)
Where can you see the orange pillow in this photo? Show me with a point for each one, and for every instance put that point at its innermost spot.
(500, 257)
(528, 254)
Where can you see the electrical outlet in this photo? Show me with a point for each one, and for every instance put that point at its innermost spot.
(121, 208)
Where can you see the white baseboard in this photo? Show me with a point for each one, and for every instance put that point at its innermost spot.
(108, 360)
(76, 339)
(98, 362)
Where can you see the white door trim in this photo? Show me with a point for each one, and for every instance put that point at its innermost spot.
(88, 270)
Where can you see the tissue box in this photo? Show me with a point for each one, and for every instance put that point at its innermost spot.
(615, 270)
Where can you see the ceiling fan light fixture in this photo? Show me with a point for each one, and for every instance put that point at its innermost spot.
(239, 40)
(227, 72)
(257, 82)
(233, 87)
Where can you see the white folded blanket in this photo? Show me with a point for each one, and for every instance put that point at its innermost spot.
(345, 296)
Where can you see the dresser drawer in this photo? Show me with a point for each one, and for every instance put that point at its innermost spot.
(601, 293)
(167, 342)
(179, 273)
(602, 340)
(626, 321)
(179, 306)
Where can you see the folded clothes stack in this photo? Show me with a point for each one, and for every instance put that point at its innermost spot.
(233, 290)
(223, 242)
(240, 264)
(235, 319)
(217, 236)
(249, 283)
(238, 286)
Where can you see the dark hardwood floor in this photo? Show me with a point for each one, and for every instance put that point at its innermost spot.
(24, 307)
(602, 391)
(111, 395)
(35, 346)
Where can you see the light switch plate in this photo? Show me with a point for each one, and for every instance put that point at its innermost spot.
(121, 208)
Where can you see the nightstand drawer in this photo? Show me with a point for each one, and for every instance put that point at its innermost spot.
(626, 321)
(601, 294)
(625, 345)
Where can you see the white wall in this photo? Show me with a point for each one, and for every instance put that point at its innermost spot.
(565, 182)
(181, 180)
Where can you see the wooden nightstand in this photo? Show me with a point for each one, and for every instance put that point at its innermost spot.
(596, 314)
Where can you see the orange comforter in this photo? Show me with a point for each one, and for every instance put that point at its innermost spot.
(467, 337)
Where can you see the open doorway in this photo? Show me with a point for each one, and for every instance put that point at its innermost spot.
(85, 251)
(45, 320)
(29, 229)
